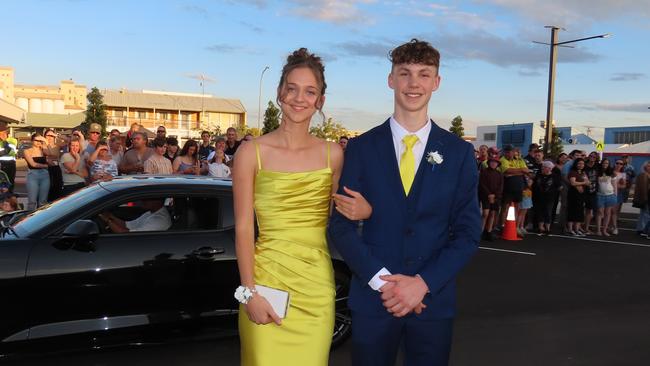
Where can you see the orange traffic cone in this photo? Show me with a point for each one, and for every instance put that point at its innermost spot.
(510, 228)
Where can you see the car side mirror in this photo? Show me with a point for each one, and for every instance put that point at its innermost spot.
(82, 234)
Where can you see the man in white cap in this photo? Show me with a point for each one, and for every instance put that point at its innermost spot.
(8, 148)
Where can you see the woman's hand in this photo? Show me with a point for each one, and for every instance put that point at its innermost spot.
(259, 311)
(354, 207)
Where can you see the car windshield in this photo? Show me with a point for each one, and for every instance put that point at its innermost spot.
(29, 224)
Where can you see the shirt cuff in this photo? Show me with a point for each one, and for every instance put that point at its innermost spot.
(375, 282)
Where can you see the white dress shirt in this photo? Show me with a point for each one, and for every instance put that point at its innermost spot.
(151, 221)
(398, 133)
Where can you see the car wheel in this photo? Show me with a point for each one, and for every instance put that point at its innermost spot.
(342, 319)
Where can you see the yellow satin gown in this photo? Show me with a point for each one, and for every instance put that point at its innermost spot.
(291, 254)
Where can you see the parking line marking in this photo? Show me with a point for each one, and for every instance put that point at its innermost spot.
(507, 251)
(602, 241)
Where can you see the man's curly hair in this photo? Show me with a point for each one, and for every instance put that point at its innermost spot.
(415, 52)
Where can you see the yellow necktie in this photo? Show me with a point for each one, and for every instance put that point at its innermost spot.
(407, 163)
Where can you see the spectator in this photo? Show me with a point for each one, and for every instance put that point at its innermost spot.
(630, 175)
(641, 195)
(562, 189)
(133, 160)
(135, 128)
(52, 152)
(490, 192)
(73, 168)
(205, 149)
(592, 169)
(172, 149)
(156, 218)
(220, 144)
(38, 178)
(564, 204)
(513, 171)
(217, 167)
(9, 204)
(157, 163)
(161, 131)
(493, 153)
(578, 184)
(247, 137)
(482, 156)
(77, 134)
(103, 166)
(8, 150)
(621, 184)
(546, 186)
(231, 142)
(526, 204)
(343, 142)
(94, 135)
(115, 132)
(187, 162)
(530, 158)
(606, 195)
(116, 149)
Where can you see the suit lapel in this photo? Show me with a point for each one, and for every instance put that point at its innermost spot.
(386, 152)
(425, 172)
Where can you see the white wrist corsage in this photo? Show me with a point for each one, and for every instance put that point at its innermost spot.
(434, 158)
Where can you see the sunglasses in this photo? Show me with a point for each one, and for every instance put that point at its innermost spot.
(50, 135)
(619, 163)
(94, 132)
(161, 131)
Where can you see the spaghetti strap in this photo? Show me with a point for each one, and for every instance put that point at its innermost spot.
(328, 154)
(257, 152)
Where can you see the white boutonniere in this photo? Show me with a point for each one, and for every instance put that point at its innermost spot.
(434, 158)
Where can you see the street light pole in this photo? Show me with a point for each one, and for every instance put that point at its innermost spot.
(548, 136)
(259, 101)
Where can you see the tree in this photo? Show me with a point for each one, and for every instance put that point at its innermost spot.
(271, 118)
(243, 130)
(95, 111)
(457, 126)
(329, 130)
(556, 145)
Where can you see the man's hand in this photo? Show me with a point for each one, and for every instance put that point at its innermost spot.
(354, 207)
(403, 294)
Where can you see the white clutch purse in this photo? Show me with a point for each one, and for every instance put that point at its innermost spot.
(278, 299)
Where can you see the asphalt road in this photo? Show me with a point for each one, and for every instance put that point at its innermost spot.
(551, 301)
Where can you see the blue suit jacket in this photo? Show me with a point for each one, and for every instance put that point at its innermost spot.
(433, 232)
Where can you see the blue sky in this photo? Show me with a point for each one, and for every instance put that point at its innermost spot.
(491, 71)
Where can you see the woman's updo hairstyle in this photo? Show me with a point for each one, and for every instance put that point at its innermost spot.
(303, 58)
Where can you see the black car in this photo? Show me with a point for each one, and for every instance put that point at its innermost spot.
(65, 277)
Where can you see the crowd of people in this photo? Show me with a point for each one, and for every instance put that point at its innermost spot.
(588, 191)
(60, 165)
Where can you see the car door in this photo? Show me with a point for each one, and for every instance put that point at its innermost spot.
(121, 280)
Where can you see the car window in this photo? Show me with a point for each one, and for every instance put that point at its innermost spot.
(175, 213)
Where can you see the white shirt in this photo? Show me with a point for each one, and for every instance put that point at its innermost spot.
(218, 170)
(151, 221)
(211, 155)
(398, 133)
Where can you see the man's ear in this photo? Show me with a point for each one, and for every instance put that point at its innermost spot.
(390, 80)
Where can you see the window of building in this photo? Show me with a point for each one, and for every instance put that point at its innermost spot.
(140, 114)
(118, 113)
(513, 137)
(631, 137)
(489, 137)
(164, 115)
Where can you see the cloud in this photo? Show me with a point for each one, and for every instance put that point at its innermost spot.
(444, 13)
(223, 48)
(261, 4)
(529, 73)
(196, 9)
(575, 13)
(499, 51)
(627, 76)
(579, 105)
(252, 27)
(332, 11)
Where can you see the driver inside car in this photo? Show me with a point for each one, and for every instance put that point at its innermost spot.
(156, 218)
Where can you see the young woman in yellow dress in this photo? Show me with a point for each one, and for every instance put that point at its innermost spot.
(285, 179)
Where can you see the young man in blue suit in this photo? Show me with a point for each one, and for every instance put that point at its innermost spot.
(425, 223)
